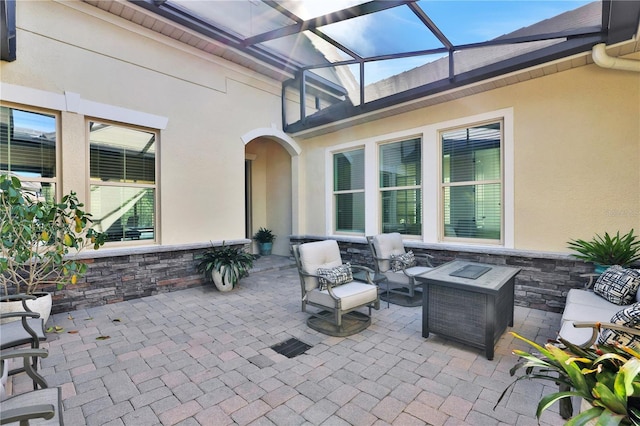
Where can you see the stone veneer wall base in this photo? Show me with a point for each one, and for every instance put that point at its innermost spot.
(116, 275)
(119, 274)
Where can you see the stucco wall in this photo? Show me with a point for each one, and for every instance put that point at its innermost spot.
(576, 133)
(209, 103)
(576, 140)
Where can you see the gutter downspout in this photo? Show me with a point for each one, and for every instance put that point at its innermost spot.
(602, 59)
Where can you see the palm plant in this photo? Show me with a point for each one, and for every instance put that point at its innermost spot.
(264, 235)
(608, 250)
(606, 377)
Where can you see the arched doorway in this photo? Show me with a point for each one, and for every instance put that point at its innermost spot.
(271, 159)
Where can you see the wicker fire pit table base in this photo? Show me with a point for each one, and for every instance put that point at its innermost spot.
(468, 302)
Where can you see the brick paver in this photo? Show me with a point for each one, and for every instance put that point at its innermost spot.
(201, 357)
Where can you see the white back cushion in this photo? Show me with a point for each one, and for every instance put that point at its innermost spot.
(318, 254)
(387, 245)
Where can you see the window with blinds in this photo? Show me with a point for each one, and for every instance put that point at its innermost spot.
(122, 165)
(472, 182)
(348, 191)
(28, 149)
(401, 187)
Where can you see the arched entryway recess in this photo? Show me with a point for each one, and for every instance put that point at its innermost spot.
(272, 198)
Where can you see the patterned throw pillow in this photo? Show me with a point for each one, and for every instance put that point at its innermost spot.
(630, 317)
(402, 261)
(618, 285)
(336, 276)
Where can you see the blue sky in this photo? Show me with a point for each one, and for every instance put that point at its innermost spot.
(462, 21)
(479, 20)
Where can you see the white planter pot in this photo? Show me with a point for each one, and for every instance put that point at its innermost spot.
(220, 283)
(41, 305)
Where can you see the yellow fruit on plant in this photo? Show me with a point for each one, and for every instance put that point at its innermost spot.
(44, 236)
(67, 240)
(74, 279)
(78, 224)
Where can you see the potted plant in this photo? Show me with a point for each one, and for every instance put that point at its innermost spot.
(225, 265)
(608, 250)
(264, 237)
(605, 377)
(38, 241)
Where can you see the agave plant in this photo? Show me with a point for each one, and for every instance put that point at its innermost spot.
(606, 377)
(607, 250)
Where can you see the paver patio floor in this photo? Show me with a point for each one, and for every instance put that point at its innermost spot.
(201, 357)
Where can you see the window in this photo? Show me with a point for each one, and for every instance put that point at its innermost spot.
(348, 191)
(400, 187)
(123, 181)
(28, 149)
(472, 182)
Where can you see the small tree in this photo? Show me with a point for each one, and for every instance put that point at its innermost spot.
(36, 238)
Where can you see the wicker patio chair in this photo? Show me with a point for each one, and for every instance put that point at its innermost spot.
(328, 285)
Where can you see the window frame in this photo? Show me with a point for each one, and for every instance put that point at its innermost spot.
(420, 188)
(116, 184)
(335, 193)
(431, 175)
(55, 181)
(475, 183)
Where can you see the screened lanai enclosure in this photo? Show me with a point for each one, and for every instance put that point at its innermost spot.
(339, 59)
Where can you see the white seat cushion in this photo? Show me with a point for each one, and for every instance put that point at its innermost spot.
(352, 295)
(577, 336)
(586, 306)
(400, 277)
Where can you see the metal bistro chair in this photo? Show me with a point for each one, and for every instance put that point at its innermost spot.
(328, 285)
(25, 328)
(399, 267)
(41, 406)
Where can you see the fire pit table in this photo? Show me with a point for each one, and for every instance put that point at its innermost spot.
(468, 302)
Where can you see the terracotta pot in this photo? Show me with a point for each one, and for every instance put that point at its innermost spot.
(41, 305)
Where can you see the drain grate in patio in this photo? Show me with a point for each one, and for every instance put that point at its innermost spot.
(291, 348)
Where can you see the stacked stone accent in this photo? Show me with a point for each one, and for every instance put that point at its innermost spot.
(542, 284)
(112, 279)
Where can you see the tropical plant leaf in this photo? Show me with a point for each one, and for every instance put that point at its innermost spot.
(548, 400)
(584, 417)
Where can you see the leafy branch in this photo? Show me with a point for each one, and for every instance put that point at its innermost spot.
(38, 238)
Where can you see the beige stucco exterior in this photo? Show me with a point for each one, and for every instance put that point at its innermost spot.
(206, 102)
(576, 137)
(575, 134)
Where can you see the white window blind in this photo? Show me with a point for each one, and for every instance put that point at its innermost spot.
(28, 149)
(400, 187)
(472, 182)
(123, 181)
(348, 189)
